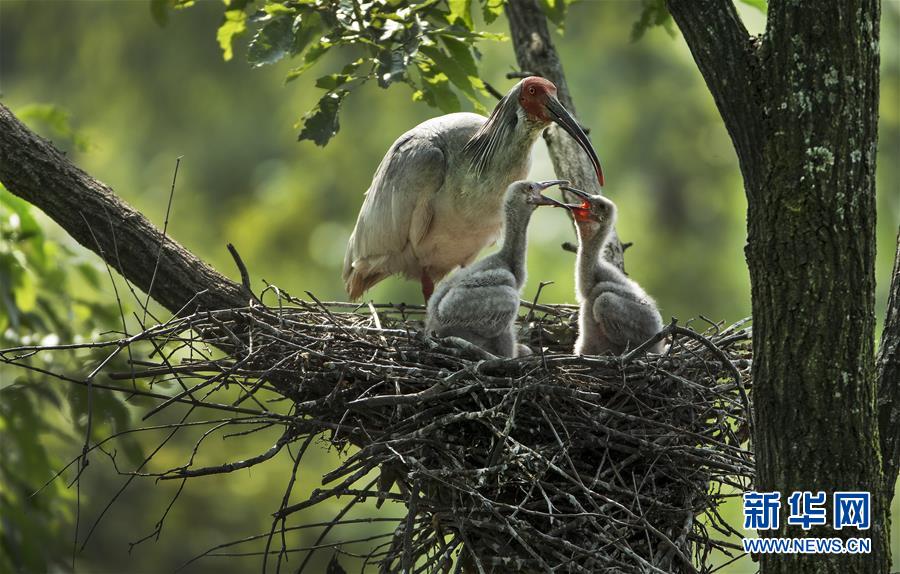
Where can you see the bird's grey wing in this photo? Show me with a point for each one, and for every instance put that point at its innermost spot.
(628, 318)
(485, 303)
(397, 207)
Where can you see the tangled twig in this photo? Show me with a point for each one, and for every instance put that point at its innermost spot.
(545, 463)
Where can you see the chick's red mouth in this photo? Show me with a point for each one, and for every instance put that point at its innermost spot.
(581, 212)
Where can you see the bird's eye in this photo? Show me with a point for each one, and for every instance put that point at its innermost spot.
(531, 90)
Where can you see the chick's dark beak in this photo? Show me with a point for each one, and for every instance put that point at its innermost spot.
(577, 192)
(561, 116)
(540, 199)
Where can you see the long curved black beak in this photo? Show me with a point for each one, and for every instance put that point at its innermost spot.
(561, 116)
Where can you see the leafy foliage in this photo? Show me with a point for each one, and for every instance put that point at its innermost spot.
(655, 13)
(429, 45)
(37, 279)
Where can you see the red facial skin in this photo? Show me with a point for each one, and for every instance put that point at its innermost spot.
(534, 94)
(582, 213)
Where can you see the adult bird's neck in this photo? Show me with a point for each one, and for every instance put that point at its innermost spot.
(502, 144)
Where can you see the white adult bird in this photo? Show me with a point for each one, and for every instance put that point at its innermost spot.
(435, 200)
(616, 314)
(480, 303)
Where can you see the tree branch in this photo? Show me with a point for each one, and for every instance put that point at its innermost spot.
(887, 373)
(31, 168)
(727, 58)
(536, 53)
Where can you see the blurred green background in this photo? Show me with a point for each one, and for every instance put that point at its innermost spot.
(125, 97)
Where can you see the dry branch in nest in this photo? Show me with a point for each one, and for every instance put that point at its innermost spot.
(547, 463)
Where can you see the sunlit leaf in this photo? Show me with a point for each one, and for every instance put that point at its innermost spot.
(449, 66)
(761, 5)
(460, 12)
(275, 9)
(234, 25)
(555, 10)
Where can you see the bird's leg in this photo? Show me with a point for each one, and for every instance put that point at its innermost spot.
(427, 286)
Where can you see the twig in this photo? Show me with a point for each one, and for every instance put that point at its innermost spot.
(165, 229)
(245, 275)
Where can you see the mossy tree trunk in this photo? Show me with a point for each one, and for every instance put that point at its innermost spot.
(801, 105)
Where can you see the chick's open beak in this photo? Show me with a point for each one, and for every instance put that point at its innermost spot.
(577, 192)
(561, 116)
(539, 198)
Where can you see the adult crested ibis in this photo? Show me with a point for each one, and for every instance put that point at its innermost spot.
(615, 312)
(480, 303)
(435, 200)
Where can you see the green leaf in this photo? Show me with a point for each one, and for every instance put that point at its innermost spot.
(761, 5)
(57, 120)
(389, 68)
(654, 13)
(461, 54)
(449, 66)
(276, 9)
(321, 123)
(272, 43)
(555, 10)
(234, 25)
(159, 9)
(469, 85)
(460, 12)
(435, 90)
(305, 27)
(491, 9)
(334, 81)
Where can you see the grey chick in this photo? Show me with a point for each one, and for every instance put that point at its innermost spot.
(480, 302)
(616, 313)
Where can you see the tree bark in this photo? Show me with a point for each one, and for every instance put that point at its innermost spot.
(801, 106)
(535, 53)
(31, 168)
(887, 368)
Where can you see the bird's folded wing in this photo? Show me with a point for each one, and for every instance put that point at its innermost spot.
(486, 308)
(625, 319)
(397, 208)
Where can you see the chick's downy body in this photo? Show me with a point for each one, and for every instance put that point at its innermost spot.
(480, 302)
(615, 313)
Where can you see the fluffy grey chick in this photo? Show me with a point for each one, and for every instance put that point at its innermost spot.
(479, 303)
(616, 313)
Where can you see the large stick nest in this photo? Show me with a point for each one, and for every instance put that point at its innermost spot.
(547, 463)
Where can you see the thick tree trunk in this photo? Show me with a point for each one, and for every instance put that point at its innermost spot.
(535, 53)
(888, 382)
(31, 168)
(801, 106)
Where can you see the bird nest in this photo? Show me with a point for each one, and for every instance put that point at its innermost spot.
(550, 462)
